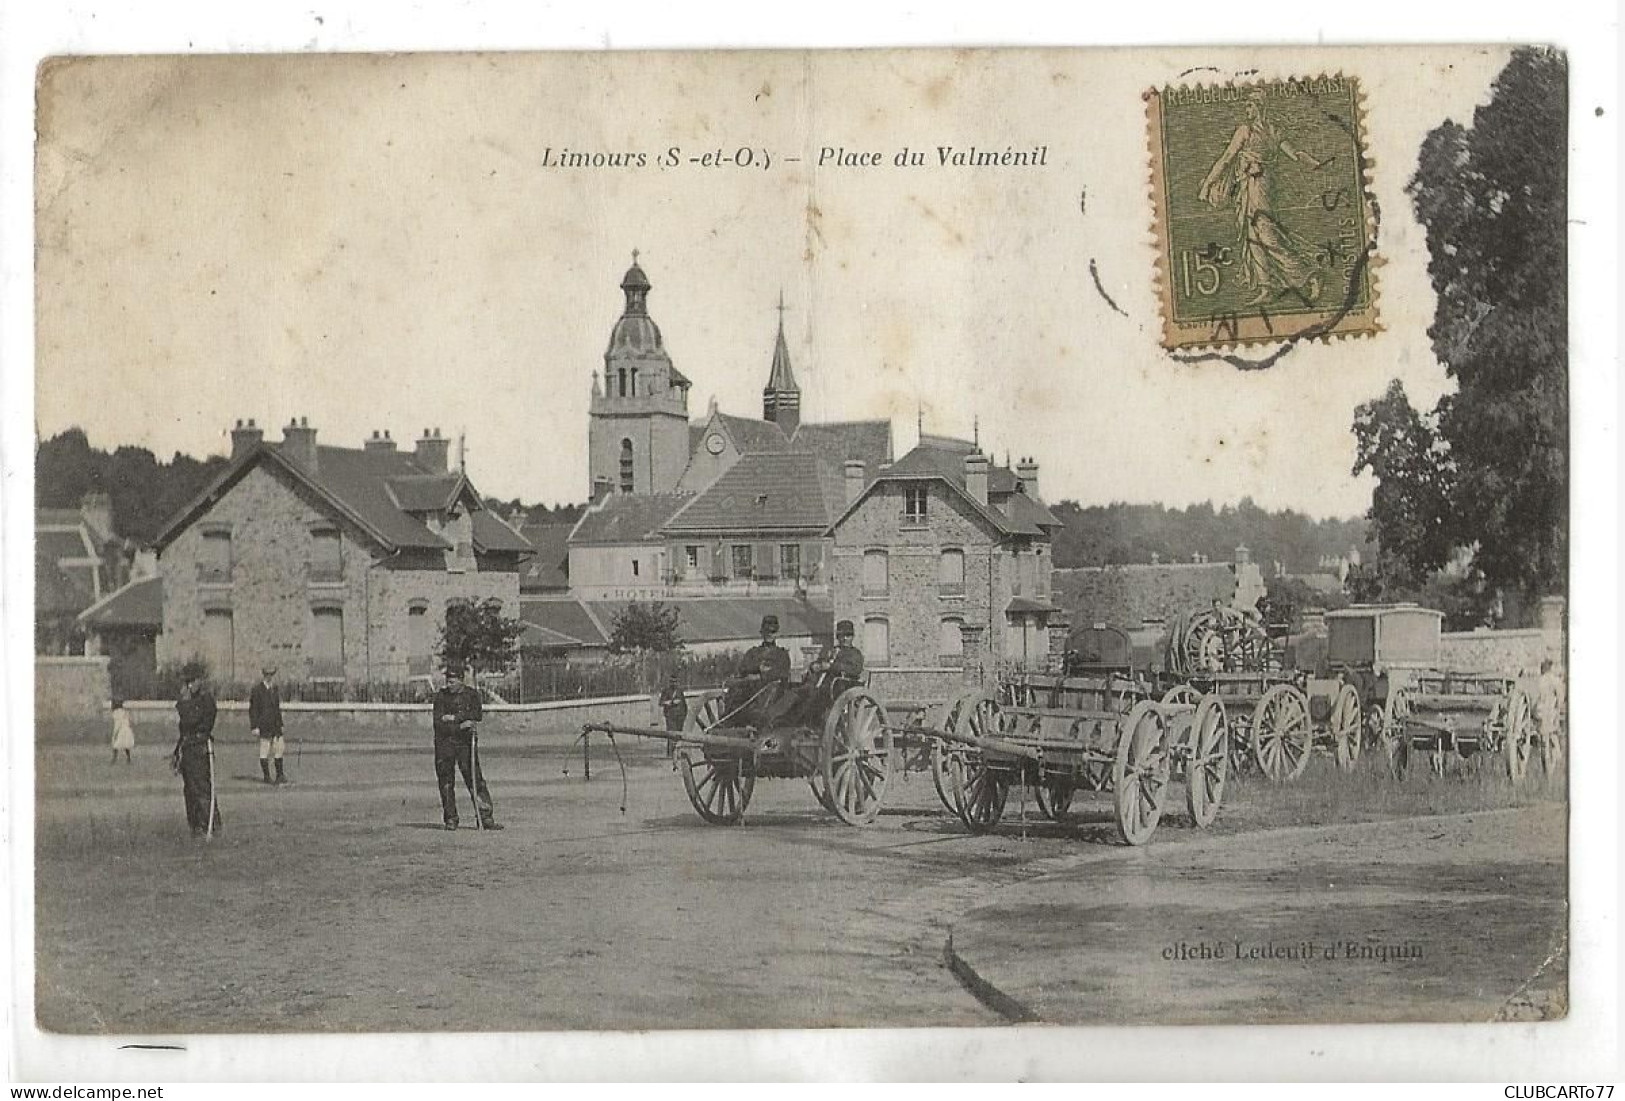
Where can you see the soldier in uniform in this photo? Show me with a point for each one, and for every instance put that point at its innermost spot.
(835, 669)
(457, 713)
(265, 723)
(762, 678)
(193, 754)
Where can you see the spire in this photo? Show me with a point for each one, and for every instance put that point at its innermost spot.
(781, 397)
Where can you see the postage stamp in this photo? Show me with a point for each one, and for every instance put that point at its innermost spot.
(1265, 230)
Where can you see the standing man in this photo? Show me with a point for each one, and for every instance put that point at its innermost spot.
(457, 713)
(193, 756)
(673, 708)
(265, 723)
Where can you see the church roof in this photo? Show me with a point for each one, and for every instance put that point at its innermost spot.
(627, 518)
(762, 491)
(634, 277)
(781, 377)
(636, 334)
(752, 436)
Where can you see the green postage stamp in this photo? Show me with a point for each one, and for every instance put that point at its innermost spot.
(1265, 229)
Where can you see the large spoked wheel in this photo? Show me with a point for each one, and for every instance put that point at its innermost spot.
(1140, 773)
(1096, 770)
(816, 782)
(949, 764)
(986, 789)
(1055, 796)
(1209, 762)
(857, 759)
(1344, 726)
(720, 788)
(1181, 695)
(1281, 733)
(1517, 733)
(1396, 739)
(704, 713)
(972, 713)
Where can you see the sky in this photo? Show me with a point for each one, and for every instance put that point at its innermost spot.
(382, 242)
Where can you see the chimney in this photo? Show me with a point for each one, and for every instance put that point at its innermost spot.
(299, 444)
(600, 489)
(1243, 555)
(379, 441)
(856, 476)
(97, 509)
(976, 476)
(432, 451)
(245, 437)
(1027, 471)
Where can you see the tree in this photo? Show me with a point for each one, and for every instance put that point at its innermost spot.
(1411, 509)
(480, 636)
(646, 628)
(1492, 198)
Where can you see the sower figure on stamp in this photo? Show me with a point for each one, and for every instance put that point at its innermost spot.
(265, 723)
(193, 757)
(457, 714)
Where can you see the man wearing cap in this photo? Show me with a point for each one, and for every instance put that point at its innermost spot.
(835, 670)
(193, 756)
(265, 723)
(457, 713)
(762, 677)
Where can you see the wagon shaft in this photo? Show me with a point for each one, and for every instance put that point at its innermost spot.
(992, 745)
(709, 741)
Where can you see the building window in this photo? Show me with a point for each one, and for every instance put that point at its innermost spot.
(219, 643)
(326, 555)
(626, 466)
(876, 641)
(790, 561)
(1018, 573)
(951, 573)
(876, 573)
(951, 642)
(691, 560)
(622, 374)
(914, 499)
(215, 562)
(327, 642)
(419, 644)
(635, 567)
(742, 561)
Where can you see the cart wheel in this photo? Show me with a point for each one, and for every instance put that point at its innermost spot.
(704, 714)
(857, 757)
(1344, 726)
(719, 788)
(1140, 773)
(949, 764)
(1055, 796)
(1396, 739)
(1181, 695)
(986, 789)
(1281, 733)
(816, 782)
(976, 713)
(1517, 730)
(1209, 762)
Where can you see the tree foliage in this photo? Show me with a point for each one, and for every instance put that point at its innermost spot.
(144, 491)
(1121, 533)
(1411, 505)
(478, 635)
(1492, 198)
(646, 628)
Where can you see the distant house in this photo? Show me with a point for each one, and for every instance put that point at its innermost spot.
(943, 560)
(124, 626)
(548, 569)
(1137, 593)
(76, 561)
(332, 563)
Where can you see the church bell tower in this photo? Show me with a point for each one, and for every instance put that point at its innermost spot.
(637, 432)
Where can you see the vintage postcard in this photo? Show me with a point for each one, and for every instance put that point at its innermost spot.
(760, 540)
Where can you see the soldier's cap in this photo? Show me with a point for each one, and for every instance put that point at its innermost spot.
(845, 629)
(192, 670)
(770, 623)
(456, 669)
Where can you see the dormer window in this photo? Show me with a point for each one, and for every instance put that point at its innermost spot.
(914, 502)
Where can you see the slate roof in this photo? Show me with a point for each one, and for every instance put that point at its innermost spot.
(140, 603)
(1009, 509)
(550, 567)
(566, 617)
(563, 623)
(837, 441)
(57, 545)
(760, 492)
(58, 590)
(58, 517)
(628, 518)
(751, 435)
(425, 492)
(359, 485)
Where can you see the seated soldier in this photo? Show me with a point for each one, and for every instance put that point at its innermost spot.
(833, 672)
(760, 682)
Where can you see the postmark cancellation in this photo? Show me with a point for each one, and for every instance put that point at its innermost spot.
(1264, 223)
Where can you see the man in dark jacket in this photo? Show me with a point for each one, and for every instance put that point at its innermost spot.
(193, 757)
(457, 713)
(835, 669)
(265, 723)
(761, 680)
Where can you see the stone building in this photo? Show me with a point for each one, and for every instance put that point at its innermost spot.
(942, 561)
(332, 563)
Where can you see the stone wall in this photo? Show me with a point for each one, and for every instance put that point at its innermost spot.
(1514, 653)
(70, 688)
